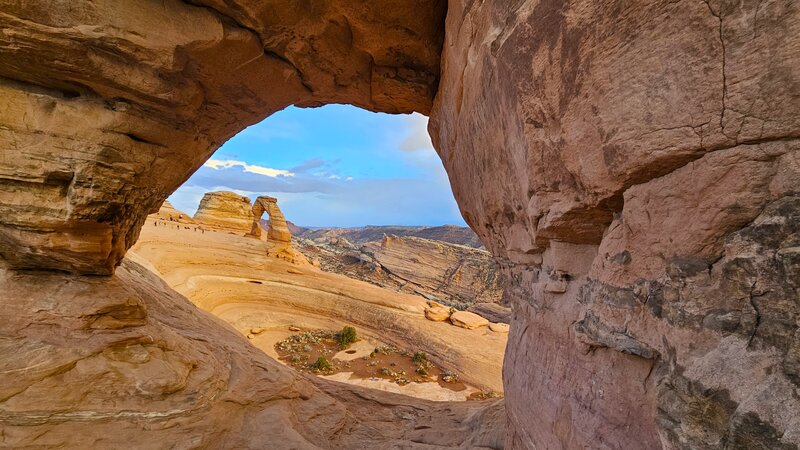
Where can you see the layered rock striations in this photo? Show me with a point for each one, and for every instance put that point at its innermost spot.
(361, 235)
(126, 362)
(110, 105)
(639, 170)
(278, 236)
(225, 210)
(455, 275)
(278, 230)
(633, 167)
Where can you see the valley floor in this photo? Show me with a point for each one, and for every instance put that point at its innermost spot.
(232, 277)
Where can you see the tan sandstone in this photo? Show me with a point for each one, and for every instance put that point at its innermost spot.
(633, 167)
(437, 313)
(226, 210)
(468, 320)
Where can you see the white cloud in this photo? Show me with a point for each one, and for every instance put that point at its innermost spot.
(217, 164)
(417, 137)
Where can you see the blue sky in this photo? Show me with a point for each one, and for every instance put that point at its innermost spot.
(333, 166)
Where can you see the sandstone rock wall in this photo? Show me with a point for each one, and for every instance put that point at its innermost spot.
(225, 210)
(455, 275)
(361, 235)
(634, 168)
(110, 105)
(639, 169)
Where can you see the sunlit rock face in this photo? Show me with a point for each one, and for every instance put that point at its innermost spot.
(226, 210)
(109, 106)
(635, 169)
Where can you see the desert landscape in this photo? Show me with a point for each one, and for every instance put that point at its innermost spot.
(217, 261)
(630, 172)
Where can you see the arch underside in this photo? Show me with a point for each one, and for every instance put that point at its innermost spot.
(638, 185)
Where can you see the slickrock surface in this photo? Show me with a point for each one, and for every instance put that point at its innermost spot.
(227, 210)
(499, 327)
(451, 274)
(168, 213)
(126, 362)
(633, 167)
(235, 278)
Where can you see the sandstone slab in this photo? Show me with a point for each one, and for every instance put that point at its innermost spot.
(468, 320)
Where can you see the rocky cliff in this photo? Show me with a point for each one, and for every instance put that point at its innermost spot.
(225, 210)
(361, 235)
(451, 274)
(638, 169)
(633, 167)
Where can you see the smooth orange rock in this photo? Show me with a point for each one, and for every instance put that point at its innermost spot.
(468, 320)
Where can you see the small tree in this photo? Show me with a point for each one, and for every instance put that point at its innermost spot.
(321, 365)
(346, 337)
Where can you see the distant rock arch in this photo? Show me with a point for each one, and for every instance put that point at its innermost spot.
(278, 229)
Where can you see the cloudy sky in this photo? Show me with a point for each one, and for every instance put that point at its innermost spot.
(334, 166)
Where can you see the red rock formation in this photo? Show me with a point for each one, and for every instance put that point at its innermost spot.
(227, 210)
(278, 229)
(633, 167)
(638, 170)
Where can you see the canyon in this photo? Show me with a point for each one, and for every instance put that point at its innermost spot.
(633, 169)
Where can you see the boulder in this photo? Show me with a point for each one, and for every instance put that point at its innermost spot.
(468, 320)
(437, 313)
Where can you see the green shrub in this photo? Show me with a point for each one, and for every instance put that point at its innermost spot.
(422, 371)
(346, 337)
(420, 358)
(321, 365)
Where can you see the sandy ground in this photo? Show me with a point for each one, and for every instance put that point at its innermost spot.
(230, 276)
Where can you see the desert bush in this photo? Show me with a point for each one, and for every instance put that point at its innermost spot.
(420, 358)
(346, 337)
(321, 364)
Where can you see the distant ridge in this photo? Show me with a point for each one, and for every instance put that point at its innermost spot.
(452, 234)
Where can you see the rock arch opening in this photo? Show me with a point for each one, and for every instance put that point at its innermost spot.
(417, 288)
(638, 186)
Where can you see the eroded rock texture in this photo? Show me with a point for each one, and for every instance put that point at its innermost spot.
(455, 275)
(227, 210)
(278, 230)
(126, 362)
(634, 167)
(108, 106)
(639, 170)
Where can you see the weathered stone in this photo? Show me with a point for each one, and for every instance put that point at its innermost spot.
(656, 169)
(453, 274)
(499, 327)
(227, 210)
(437, 313)
(493, 312)
(278, 231)
(468, 320)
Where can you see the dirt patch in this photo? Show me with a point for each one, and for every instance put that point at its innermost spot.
(314, 352)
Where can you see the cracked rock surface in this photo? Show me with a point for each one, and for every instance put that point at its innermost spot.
(633, 167)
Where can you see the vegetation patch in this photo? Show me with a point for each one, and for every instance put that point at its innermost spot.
(314, 352)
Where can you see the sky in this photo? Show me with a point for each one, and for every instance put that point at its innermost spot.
(333, 166)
